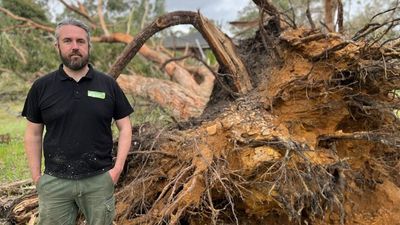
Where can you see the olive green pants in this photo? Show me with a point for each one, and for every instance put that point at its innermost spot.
(60, 200)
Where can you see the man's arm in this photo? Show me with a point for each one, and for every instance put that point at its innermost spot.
(33, 148)
(124, 145)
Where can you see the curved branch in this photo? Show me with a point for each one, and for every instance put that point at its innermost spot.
(28, 21)
(79, 12)
(222, 47)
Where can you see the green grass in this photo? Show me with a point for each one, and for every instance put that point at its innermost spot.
(13, 164)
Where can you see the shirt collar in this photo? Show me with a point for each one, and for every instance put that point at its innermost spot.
(63, 76)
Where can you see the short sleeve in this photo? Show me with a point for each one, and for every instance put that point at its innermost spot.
(31, 108)
(122, 107)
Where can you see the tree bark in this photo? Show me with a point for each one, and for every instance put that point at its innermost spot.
(330, 10)
(182, 102)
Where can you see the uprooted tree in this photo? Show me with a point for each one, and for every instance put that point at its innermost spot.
(301, 128)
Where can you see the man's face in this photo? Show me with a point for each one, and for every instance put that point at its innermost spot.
(73, 47)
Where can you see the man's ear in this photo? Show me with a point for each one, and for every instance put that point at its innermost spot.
(56, 45)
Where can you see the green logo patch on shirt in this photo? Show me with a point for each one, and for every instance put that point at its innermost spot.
(96, 94)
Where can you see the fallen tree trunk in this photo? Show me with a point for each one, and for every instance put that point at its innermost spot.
(183, 103)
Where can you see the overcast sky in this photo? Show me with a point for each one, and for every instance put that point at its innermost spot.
(221, 11)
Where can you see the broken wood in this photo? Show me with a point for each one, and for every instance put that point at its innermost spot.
(14, 186)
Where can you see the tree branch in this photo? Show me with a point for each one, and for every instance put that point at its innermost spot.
(27, 21)
(309, 17)
(340, 16)
(101, 17)
(222, 47)
(327, 52)
(19, 52)
(79, 11)
(269, 8)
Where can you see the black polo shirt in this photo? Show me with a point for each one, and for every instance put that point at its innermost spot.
(77, 117)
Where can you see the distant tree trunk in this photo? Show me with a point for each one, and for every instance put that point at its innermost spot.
(330, 11)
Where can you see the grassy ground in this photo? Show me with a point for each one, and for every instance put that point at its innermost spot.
(13, 164)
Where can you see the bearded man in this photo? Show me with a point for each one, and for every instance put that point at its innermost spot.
(76, 104)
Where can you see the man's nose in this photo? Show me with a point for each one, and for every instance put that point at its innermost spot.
(75, 45)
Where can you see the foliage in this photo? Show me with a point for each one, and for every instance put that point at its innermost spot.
(248, 13)
(38, 52)
(119, 6)
(24, 51)
(26, 8)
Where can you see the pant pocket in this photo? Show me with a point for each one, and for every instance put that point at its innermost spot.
(109, 178)
(40, 182)
(109, 211)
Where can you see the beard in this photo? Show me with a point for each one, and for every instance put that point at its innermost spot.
(74, 61)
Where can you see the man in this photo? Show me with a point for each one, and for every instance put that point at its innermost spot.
(76, 104)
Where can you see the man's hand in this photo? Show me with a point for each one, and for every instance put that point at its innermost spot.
(124, 145)
(114, 174)
(36, 180)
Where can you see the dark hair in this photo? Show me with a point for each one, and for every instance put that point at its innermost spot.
(74, 22)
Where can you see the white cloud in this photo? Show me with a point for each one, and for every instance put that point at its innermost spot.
(221, 11)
